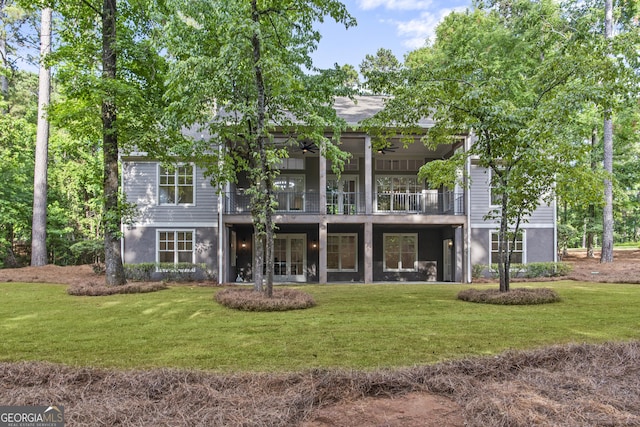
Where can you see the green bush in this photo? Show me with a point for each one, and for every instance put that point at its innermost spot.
(168, 271)
(477, 270)
(535, 269)
(547, 269)
(88, 251)
(142, 272)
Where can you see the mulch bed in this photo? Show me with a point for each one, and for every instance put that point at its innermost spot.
(573, 385)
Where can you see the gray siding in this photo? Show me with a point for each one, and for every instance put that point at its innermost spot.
(140, 244)
(141, 188)
(480, 198)
(538, 245)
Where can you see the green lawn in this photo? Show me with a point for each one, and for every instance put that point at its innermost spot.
(353, 326)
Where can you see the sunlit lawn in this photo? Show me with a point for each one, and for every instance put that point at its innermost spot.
(353, 326)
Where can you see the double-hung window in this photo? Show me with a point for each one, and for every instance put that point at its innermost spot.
(175, 246)
(342, 252)
(175, 185)
(400, 252)
(518, 256)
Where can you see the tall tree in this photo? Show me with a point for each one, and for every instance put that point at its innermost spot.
(4, 84)
(112, 77)
(502, 72)
(39, 222)
(250, 60)
(607, 216)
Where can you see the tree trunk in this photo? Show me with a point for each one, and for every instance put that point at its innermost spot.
(607, 216)
(269, 237)
(4, 83)
(264, 169)
(504, 263)
(258, 260)
(112, 218)
(39, 223)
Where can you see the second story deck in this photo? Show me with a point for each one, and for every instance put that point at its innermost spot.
(426, 202)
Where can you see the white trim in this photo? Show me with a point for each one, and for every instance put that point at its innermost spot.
(174, 231)
(171, 225)
(193, 185)
(292, 277)
(340, 269)
(524, 246)
(494, 225)
(384, 252)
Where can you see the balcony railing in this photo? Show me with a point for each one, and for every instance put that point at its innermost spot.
(290, 202)
(426, 202)
(353, 203)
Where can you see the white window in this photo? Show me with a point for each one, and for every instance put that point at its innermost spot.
(175, 185)
(290, 192)
(518, 256)
(342, 252)
(342, 195)
(398, 193)
(400, 252)
(176, 246)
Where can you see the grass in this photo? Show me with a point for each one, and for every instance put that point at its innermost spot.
(352, 326)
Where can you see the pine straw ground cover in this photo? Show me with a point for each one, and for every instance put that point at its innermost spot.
(247, 299)
(571, 385)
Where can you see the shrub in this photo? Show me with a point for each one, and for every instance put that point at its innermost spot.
(547, 269)
(519, 296)
(535, 269)
(140, 272)
(88, 251)
(477, 270)
(247, 299)
(181, 272)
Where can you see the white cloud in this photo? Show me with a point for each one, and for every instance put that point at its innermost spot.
(415, 32)
(395, 4)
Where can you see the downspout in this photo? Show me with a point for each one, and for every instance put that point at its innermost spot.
(220, 227)
(555, 227)
(467, 197)
(122, 258)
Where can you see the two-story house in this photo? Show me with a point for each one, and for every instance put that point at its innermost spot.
(376, 222)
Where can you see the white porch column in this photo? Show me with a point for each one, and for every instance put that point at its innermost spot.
(368, 252)
(368, 176)
(323, 185)
(322, 252)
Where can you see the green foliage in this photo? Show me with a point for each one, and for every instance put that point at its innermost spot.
(530, 270)
(547, 269)
(170, 272)
(511, 73)
(88, 251)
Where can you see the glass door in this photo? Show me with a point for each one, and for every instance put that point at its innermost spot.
(290, 255)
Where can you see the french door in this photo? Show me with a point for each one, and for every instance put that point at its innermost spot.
(290, 258)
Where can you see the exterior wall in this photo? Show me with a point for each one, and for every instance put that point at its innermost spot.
(140, 245)
(429, 249)
(480, 198)
(538, 245)
(340, 276)
(140, 184)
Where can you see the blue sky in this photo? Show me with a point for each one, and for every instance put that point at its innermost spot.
(399, 25)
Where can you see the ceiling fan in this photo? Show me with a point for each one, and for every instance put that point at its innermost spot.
(387, 149)
(307, 147)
